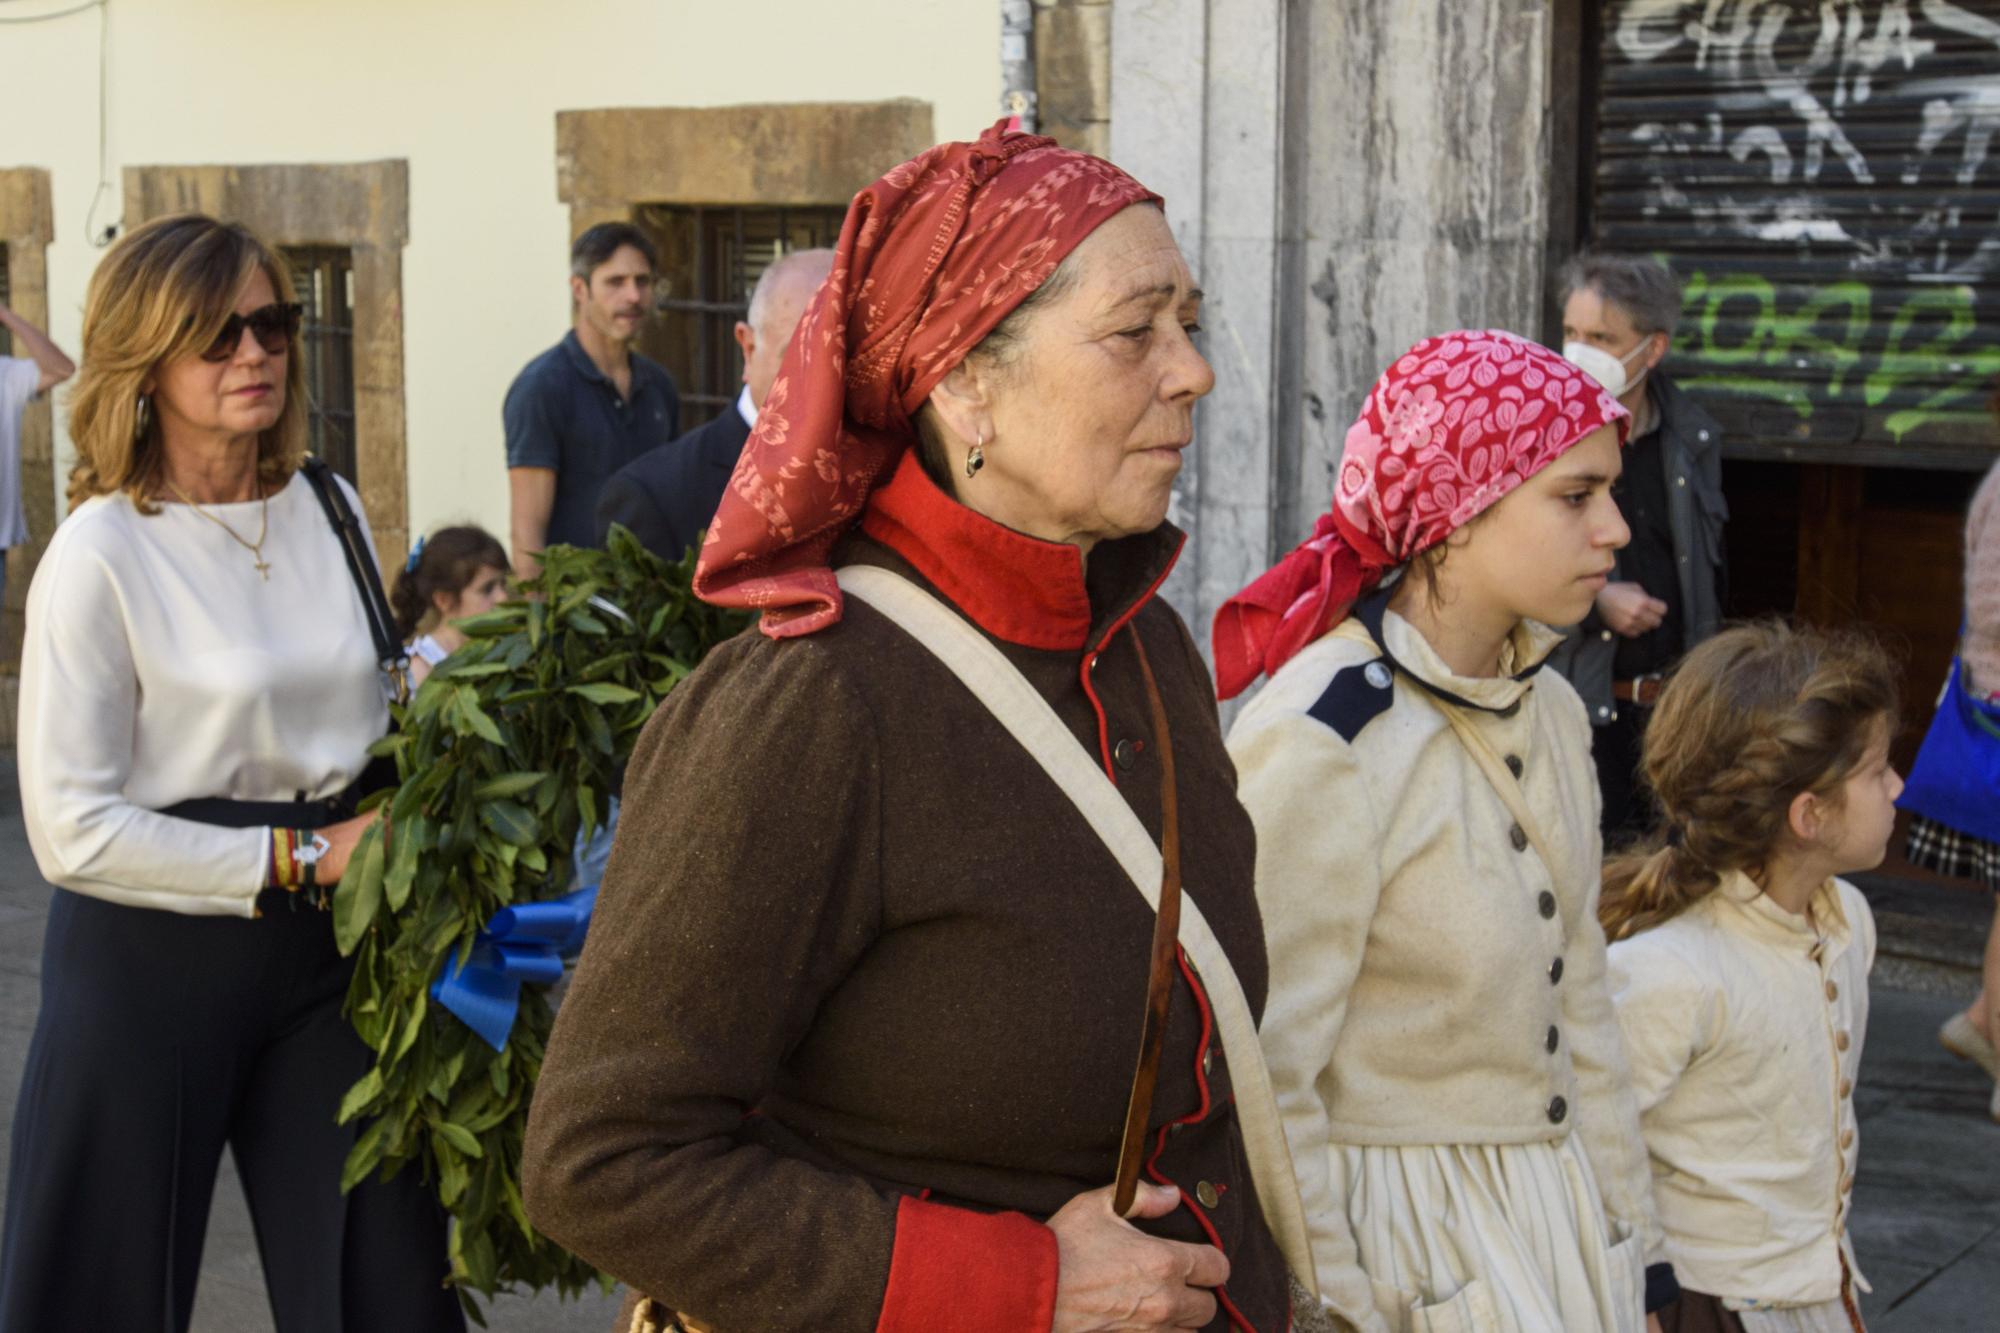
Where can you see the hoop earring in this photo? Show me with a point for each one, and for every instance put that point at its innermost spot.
(144, 418)
(976, 459)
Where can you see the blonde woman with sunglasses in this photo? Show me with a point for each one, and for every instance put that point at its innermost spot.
(199, 687)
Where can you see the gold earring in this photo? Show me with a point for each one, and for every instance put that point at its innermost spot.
(144, 417)
(976, 459)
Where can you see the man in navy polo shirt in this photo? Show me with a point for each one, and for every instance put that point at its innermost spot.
(589, 405)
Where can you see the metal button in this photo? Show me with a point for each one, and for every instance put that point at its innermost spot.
(1125, 754)
(1606, 636)
(1680, 481)
(1207, 1194)
(1546, 904)
(1703, 434)
(1554, 1039)
(1555, 971)
(1378, 675)
(1514, 764)
(1840, 1040)
(1832, 991)
(1602, 711)
(1558, 1110)
(1519, 837)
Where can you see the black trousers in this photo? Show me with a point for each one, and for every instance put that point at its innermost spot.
(1616, 747)
(162, 1037)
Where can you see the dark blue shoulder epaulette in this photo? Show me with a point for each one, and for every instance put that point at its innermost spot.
(1356, 696)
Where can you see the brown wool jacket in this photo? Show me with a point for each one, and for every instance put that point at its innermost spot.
(862, 998)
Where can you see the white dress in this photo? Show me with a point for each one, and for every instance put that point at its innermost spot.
(1455, 1102)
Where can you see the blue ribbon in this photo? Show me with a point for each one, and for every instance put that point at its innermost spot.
(525, 943)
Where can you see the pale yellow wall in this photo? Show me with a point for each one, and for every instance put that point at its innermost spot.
(467, 92)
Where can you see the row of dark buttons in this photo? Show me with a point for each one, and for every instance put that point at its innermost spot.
(1545, 903)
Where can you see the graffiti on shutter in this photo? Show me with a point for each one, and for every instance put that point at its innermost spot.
(1823, 177)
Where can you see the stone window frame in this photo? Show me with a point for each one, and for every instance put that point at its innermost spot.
(363, 207)
(27, 225)
(611, 161)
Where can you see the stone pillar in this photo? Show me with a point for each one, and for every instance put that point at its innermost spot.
(1073, 73)
(1344, 176)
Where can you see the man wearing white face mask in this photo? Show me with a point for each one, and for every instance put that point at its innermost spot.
(1668, 590)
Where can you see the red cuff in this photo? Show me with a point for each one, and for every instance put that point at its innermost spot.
(957, 1271)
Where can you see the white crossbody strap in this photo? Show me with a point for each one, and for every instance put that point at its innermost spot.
(1019, 708)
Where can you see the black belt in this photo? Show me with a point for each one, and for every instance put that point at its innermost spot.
(273, 814)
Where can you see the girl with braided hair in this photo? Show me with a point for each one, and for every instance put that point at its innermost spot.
(1739, 967)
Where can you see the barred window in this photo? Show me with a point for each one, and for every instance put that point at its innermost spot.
(710, 258)
(324, 279)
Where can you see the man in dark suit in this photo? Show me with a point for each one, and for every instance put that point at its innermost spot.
(668, 496)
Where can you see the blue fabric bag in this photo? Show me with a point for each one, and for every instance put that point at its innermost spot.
(1956, 779)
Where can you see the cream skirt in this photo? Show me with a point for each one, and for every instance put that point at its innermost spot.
(1507, 1238)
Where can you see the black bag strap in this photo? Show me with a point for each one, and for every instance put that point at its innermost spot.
(389, 650)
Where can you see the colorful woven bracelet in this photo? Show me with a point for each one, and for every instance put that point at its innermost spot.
(284, 869)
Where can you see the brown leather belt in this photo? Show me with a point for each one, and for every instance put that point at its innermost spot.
(1641, 690)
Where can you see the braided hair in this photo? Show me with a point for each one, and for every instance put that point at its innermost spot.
(1752, 718)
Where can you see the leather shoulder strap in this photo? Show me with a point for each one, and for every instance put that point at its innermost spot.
(1027, 717)
(389, 650)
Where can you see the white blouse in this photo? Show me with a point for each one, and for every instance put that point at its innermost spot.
(159, 667)
(1743, 1025)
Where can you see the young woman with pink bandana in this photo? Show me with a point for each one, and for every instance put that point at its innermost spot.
(1428, 853)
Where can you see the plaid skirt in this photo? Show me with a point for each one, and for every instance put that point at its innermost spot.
(1940, 848)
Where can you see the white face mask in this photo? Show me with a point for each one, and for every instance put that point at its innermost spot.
(1603, 367)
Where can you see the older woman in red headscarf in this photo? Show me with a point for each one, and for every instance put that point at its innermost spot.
(1439, 1032)
(853, 1043)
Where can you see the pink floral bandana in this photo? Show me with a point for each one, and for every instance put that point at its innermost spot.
(1460, 420)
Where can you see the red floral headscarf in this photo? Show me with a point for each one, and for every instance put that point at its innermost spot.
(931, 258)
(1460, 420)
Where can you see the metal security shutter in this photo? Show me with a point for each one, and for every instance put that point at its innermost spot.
(1821, 176)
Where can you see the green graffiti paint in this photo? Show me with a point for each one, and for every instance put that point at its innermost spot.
(1743, 342)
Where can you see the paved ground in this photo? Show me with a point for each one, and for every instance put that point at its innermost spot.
(1927, 1204)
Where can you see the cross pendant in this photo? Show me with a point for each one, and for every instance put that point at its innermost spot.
(263, 571)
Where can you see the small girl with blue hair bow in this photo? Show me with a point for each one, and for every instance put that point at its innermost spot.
(454, 573)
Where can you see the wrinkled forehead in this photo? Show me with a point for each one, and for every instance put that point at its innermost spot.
(1133, 261)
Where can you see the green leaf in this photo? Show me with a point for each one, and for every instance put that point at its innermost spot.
(460, 1138)
(510, 821)
(407, 843)
(507, 784)
(359, 893)
(602, 692)
(363, 1092)
(475, 717)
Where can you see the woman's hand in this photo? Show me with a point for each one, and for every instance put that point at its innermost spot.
(340, 840)
(1112, 1276)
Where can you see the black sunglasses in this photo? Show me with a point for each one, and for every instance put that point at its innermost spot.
(273, 326)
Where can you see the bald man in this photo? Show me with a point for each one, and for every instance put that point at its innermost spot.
(668, 496)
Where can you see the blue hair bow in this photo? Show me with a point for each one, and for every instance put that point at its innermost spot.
(416, 554)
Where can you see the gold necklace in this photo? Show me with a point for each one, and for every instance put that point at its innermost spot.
(256, 548)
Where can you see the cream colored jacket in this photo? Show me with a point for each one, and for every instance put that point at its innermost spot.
(1743, 1023)
(1414, 933)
